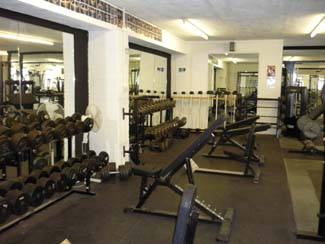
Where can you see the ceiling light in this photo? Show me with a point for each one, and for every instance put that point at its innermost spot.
(54, 60)
(190, 26)
(3, 53)
(23, 38)
(226, 54)
(234, 60)
(318, 28)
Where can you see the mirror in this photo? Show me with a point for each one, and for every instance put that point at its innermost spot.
(31, 57)
(233, 81)
(147, 73)
(302, 80)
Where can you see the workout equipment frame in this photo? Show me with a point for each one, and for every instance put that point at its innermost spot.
(163, 177)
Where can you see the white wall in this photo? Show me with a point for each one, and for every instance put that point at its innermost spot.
(69, 82)
(232, 73)
(196, 75)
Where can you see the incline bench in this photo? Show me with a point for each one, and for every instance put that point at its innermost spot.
(163, 177)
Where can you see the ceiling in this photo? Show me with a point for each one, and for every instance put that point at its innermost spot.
(12, 26)
(291, 20)
(240, 58)
(304, 55)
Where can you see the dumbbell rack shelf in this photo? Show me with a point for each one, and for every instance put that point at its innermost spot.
(59, 196)
(138, 140)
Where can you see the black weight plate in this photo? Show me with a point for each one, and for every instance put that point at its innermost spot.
(4, 210)
(18, 200)
(48, 186)
(35, 193)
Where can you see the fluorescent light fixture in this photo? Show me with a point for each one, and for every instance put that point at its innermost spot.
(54, 60)
(190, 26)
(24, 38)
(3, 53)
(318, 28)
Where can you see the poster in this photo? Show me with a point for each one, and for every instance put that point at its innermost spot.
(270, 76)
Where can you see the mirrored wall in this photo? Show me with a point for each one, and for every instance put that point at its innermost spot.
(147, 73)
(233, 83)
(32, 65)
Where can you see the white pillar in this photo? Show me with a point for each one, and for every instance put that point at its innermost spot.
(69, 83)
(109, 90)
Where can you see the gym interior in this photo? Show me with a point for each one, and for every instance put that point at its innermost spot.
(162, 122)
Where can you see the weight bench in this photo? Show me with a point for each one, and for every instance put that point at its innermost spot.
(251, 168)
(163, 177)
(227, 134)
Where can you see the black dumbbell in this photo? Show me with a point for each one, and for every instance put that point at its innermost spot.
(19, 201)
(48, 186)
(60, 181)
(62, 164)
(72, 176)
(51, 169)
(4, 210)
(11, 184)
(91, 153)
(81, 171)
(35, 194)
(104, 156)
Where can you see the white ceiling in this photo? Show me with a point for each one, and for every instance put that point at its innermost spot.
(241, 58)
(7, 25)
(291, 20)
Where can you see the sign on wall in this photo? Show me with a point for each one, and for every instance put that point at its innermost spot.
(270, 76)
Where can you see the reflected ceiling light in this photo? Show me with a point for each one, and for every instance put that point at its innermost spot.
(3, 53)
(318, 28)
(23, 38)
(54, 60)
(234, 60)
(190, 26)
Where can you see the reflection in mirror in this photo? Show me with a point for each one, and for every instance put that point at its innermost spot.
(302, 80)
(233, 81)
(34, 62)
(147, 73)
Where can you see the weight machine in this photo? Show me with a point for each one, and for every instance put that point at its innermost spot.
(163, 177)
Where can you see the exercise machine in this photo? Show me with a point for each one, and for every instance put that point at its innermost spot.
(163, 177)
(320, 235)
(226, 135)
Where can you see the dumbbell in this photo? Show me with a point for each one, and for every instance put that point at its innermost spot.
(21, 142)
(39, 163)
(35, 194)
(76, 116)
(51, 169)
(88, 124)
(4, 131)
(36, 138)
(11, 184)
(34, 126)
(48, 186)
(5, 145)
(125, 171)
(71, 128)
(62, 164)
(50, 134)
(81, 171)
(61, 131)
(108, 171)
(4, 210)
(90, 165)
(91, 153)
(19, 201)
(60, 181)
(80, 127)
(43, 116)
(19, 128)
(59, 121)
(48, 123)
(71, 175)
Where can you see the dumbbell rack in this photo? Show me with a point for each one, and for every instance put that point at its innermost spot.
(138, 141)
(47, 204)
(51, 202)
